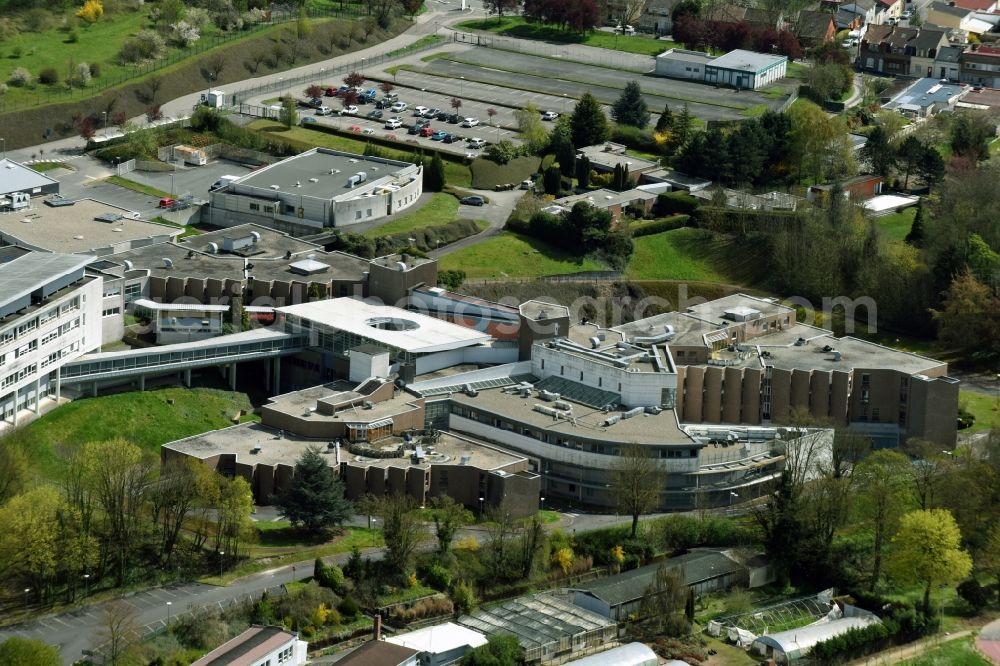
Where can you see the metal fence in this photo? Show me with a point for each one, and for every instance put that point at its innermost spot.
(126, 167)
(56, 95)
(325, 74)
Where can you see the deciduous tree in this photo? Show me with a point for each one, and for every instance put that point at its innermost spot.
(637, 480)
(402, 529)
(927, 549)
(29, 652)
(884, 491)
(448, 516)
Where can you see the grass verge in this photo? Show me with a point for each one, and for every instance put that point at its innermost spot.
(958, 652)
(42, 167)
(141, 188)
(681, 254)
(897, 225)
(487, 174)
(515, 26)
(514, 255)
(984, 407)
(439, 209)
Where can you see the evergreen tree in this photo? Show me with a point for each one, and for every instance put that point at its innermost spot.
(666, 119)
(434, 174)
(878, 152)
(916, 235)
(315, 497)
(552, 180)
(682, 125)
(630, 107)
(564, 151)
(588, 122)
(583, 171)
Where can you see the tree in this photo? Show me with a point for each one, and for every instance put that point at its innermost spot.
(288, 115)
(630, 107)
(583, 172)
(930, 166)
(779, 520)
(13, 469)
(680, 130)
(448, 516)
(386, 87)
(153, 113)
(969, 316)
(303, 28)
(911, 151)
(498, 7)
(529, 126)
(971, 134)
(118, 474)
(878, 152)
(637, 479)
(234, 505)
(988, 557)
(401, 528)
(491, 112)
(973, 594)
(828, 80)
(181, 486)
(883, 492)
(119, 629)
(85, 127)
(314, 91)
(411, 7)
(564, 151)
(315, 496)
(502, 650)
(916, 235)
(927, 549)
(588, 122)
(456, 104)
(665, 121)
(29, 652)
(354, 79)
(434, 179)
(664, 603)
(552, 180)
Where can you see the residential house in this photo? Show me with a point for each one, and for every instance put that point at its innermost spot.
(888, 10)
(985, 6)
(440, 644)
(763, 18)
(947, 63)
(848, 20)
(815, 28)
(948, 15)
(885, 49)
(865, 9)
(259, 646)
(981, 66)
(656, 17)
(606, 156)
(621, 596)
(725, 12)
(924, 49)
(381, 653)
(603, 199)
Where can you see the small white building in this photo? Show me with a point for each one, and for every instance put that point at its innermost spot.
(441, 644)
(181, 322)
(259, 646)
(747, 70)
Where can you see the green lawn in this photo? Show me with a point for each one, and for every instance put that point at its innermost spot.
(42, 167)
(455, 173)
(487, 174)
(514, 255)
(440, 209)
(141, 188)
(515, 26)
(682, 254)
(958, 652)
(895, 226)
(144, 418)
(982, 406)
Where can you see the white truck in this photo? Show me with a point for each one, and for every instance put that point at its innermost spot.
(222, 182)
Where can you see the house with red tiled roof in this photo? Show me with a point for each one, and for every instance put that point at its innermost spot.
(976, 5)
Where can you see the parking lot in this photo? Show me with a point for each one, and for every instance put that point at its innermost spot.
(189, 179)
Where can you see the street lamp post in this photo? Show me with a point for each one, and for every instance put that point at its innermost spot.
(482, 501)
(105, 122)
(86, 583)
(26, 591)
(3, 142)
(169, 603)
(363, 66)
(371, 523)
(542, 501)
(222, 555)
(462, 86)
(171, 183)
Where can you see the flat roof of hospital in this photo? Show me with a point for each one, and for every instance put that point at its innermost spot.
(16, 177)
(747, 61)
(309, 174)
(25, 274)
(272, 244)
(415, 332)
(74, 229)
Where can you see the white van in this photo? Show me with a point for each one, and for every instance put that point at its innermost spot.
(222, 182)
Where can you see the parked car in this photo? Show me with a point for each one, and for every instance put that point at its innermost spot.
(307, 120)
(550, 115)
(167, 202)
(419, 110)
(527, 184)
(442, 115)
(470, 122)
(907, 15)
(324, 111)
(368, 130)
(342, 89)
(454, 119)
(426, 131)
(349, 111)
(374, 115)
(472, 201)
(849, 43)
(431, 113)
(391, 97)
(397, 107)
(414, 129)
(394, 123)
(450, 138)
(331, 92)
(438, 136)
(476, 143)
(355, 128)
(316, 102)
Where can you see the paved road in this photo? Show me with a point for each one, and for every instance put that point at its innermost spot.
(78, 630)
(495, 212)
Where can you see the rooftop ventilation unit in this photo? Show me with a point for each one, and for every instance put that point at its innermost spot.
(563, 405)
(275, 187)
(255, 449)
(362, 176)
(635, 411)
(213, 248)
(469, 391)
(655, 409)
(611, 420)
(368, 404)
(464, 460)
(127, 264)
(167, 263)
(548, 396)
(314, 180)
(545, 409)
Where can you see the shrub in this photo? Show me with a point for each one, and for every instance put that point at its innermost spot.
(974, 594)
(48, 76)
(670, 203)
(185, 34)
(503, 151)
(464, 597)
(634, 137)
(20, 77)
(91, 11)
(436, 576)
(146, 45)
(95, 70)
(3, 89)
(658, 226)
(349, 608)
(329, 576)
(72, 37)
(432, 607)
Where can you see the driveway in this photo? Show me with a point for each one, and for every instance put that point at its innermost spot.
(496, 212)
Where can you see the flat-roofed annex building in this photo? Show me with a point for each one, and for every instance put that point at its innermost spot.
(317, 189)
(19, 184)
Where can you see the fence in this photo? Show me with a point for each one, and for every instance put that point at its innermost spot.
(278, 17)
(321, 74)
(126, 167)
(586, 276)
(568, 52)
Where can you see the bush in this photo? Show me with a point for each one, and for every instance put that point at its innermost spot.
(329, 576)
(503, 151)
(634, 137)
(72, 37)
(432, 607)
(20, 77)
(82, 75)
(436, 576)
(146, 45)
(974, 594)
(95, 70)
(464, 597)
(349, 608)
(679, 533)
(658, 226)
(451, 278)
(48, 76)
(91, 11)
(670, 203)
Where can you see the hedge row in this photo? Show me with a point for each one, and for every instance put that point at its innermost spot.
(673, 203)
(658, 226)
